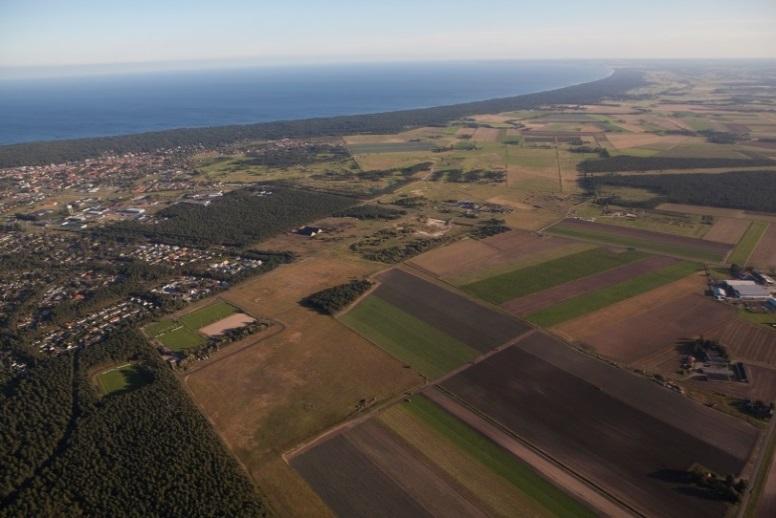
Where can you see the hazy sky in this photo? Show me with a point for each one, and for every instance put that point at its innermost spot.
(68, 32)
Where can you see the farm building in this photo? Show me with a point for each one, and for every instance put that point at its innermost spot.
(748, 290)
(309, 231)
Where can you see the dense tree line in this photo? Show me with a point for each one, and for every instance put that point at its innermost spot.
(655, 163)
(77, 149)
(271, 155)
(748, 190)
(143, 452)
(371, 211)
(474, 176)
(331, 300)
(238, 218)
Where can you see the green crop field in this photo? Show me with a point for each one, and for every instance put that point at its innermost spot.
(612, 238)
(748, 243)
(183, 333)
(122, 378)
(584, 304)
(425, 348)
(524, 281)
(207, 315)
(484, 451)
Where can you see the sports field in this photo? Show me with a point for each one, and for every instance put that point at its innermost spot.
(183, 333)
(524, 281)
(121, 378)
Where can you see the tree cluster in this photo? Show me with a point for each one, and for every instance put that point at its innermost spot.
(332, 300)
(237, 219)
(658, 163)
(747, 190)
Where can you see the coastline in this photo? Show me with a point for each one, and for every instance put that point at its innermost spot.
(617, 82)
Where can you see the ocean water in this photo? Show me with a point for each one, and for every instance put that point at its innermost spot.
(101, 105)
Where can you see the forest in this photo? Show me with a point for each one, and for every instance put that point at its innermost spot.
(37, 153)
(66, 451)
(236, 219)
(371, 211)
(747, 190)
(331, 300)
(656, 163)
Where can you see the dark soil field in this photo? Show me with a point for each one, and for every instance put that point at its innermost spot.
(544, 299)
(632, 339)
(370, 471)
(625, 433)
(764, 255)
(657, 241)
(457, 316)
(749, 341)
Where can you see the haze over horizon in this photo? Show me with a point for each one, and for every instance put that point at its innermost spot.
(60, 36)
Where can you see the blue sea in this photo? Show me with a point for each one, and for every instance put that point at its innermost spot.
(101, 105)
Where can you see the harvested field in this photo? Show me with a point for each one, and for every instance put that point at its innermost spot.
(486, 135)
(644, 239)
(533, 279)
(727, 230)
(465, 259)
(530, 303)
(234, 321)
(747, 341)
(390, 147)
(764, 255)
(471, 323)
(357, 487)
(652, 330)
(629, 435)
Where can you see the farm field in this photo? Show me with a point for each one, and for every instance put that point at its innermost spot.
(749, 241)
(645, 326)
(727, 230)
(121, 378)
(630, 436)
(532, 279)
(294, 384)
(527, 304)
(467, 260)
(184, 332)
(764, 255)
(583, 304)
(749, 341)
(426, 326)
(417, 460)
(691, 248)
(426, 349)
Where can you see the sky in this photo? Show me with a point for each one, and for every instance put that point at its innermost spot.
(66, 33)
